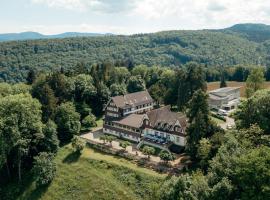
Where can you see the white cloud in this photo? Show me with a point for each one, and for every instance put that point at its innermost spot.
(205, 13)
(108, 6)
(134, 16)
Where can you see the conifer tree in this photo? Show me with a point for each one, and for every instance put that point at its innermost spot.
(223, 81)
(199, 121)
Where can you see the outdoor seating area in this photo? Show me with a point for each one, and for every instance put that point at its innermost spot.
(156, 139)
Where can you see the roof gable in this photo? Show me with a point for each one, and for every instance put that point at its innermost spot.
(160, 117)
(132, 99)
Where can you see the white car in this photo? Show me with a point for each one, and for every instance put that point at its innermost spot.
(222, 112)
(229, 126)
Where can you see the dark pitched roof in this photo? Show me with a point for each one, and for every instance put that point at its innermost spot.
(133, 120)
(164, 115)
(132, 99)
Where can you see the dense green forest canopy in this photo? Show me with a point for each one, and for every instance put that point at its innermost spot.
(170, 49)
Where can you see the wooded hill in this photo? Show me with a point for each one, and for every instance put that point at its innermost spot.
(232, 46)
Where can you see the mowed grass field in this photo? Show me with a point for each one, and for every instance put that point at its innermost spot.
(215, 85)
(95, 176)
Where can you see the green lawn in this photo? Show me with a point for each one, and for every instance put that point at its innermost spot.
(218, 121)
(97, 176)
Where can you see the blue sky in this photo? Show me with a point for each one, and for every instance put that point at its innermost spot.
(127, 16)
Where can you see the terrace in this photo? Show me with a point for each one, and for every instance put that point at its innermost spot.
(161, 140)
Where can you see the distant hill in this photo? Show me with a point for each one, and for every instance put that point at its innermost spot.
(245, 44)
(35, 35)
(253, 32)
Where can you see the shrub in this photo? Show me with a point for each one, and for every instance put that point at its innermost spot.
(78, 144)
(124, 144)
(148, 151)
(166, 156)
(44, 168)
(88, 122)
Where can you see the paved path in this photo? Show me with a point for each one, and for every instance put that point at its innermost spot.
(229, 122)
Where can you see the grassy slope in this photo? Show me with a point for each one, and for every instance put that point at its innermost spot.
(95, 176)
(215, 85)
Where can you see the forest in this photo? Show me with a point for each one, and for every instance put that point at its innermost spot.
(220, 48)
(51, 109)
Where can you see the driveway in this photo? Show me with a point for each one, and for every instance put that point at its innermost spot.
(229, 122)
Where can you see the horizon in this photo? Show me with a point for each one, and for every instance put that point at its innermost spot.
(121, 17)
(107, 33)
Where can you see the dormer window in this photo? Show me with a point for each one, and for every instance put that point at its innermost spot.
(177, 128)
(146, 122)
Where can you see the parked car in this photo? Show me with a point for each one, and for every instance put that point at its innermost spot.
(229, 126)
(222, 112)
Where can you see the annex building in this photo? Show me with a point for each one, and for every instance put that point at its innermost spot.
(133, 117)
(227, 98)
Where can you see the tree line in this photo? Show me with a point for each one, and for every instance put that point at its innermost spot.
(165, 49)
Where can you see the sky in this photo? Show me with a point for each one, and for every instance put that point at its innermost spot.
(128, 16)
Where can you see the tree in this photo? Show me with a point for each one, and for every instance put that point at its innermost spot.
(135, 84)
(223, 80)
(78, 144)
(88, 122)
(254, 81)
(157, 92)
(185, 186)
(101, 99)
(195, 78)
(182, 89)
(44, 168)
(110, 138)
(103, 138)
(124, 144)
(61, 85)
(198, 115)
(68, 121)
(240, 73)
(50, 142)
(84, 88)
(222, 190)
(43, 92)
(119, 75)
(253, 136)
(166, 156)
(118, 89)
(83, 108)
(31, 76)
(140, 70)
(204, 150)
(267, 74)
(147, 150)
(253, 167)
(255, 111)
(21, 131)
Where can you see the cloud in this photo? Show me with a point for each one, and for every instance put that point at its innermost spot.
(134, 16)
(216, 6)
(196, 14)
(107, 6)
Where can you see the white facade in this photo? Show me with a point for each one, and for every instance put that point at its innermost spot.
(227, 98)
(178, 140)
(120, 134)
